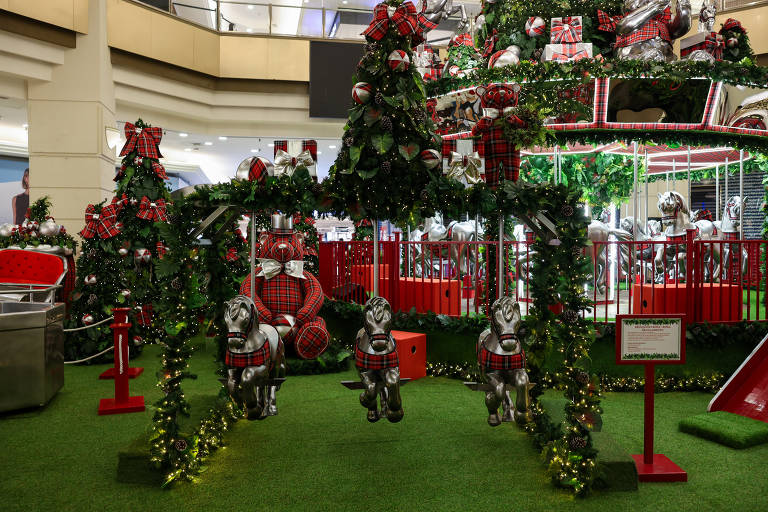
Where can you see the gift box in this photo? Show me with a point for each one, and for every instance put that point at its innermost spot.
(463, 160)
(565, 30)
(567, 52)
(710, 42)
(291, 153)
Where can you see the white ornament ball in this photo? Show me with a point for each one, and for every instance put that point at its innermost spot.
(507, 57)
(362, 92)
(87, 319)
(6, 229)
(535, 26)
(123, 251)
(90, 279)
(49, 228)
(430, 158)
(398, 60)
(125, 293)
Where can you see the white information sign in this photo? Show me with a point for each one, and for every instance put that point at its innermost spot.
(651, 339)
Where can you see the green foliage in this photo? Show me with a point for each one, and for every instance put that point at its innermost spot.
(465, 57)
(376, 174)
(39, 211)
(742, 51)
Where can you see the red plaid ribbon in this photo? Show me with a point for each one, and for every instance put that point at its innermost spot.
(714, 45)
(491, 361)
(159, 170)
(655, 27)
(490, 44)
(119, 203)
(103, 224)
(425, 24)
(258, 171)
(566, 30)
(462, 40)
(161, 250)
(143, 140)
(375, 361)
(404, 19)
(732, 24)
(152, 210)
(501, 157)
(231, 254)
(569, 53)
(258, 357)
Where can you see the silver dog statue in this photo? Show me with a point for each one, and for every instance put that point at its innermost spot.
(255, 357)
(502, 363)
(377, 362)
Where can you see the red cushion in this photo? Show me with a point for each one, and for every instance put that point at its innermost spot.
(20, 266)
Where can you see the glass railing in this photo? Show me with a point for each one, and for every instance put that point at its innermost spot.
(320, 19)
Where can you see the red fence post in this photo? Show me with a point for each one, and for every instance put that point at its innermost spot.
(690, 285)
(122, 402)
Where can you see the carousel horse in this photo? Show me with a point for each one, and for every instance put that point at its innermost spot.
(433, 12)
(433, 230)
(599, 231)
(377, 363)
(501, 358)
(729, 227)
(255, 357)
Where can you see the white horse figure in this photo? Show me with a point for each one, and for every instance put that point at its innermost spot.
(599, 231)
(729, 227)
(462, 255)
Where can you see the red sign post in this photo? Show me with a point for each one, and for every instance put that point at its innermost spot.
(122, 402)
(650, 340)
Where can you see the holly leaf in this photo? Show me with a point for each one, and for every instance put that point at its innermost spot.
(354, 157)
(391, 101)
(218, 194)
(409, 151)
(382, 142)
(355, 113)
(372, 115)
(367, 174)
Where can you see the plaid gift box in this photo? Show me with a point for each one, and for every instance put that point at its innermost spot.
(297, 147)
(463, 147)
(565, 30)
(567, 52)
(711, 42)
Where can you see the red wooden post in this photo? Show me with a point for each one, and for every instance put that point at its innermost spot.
(122, 402)
(690, 285)
(650, 381)
(394, 273)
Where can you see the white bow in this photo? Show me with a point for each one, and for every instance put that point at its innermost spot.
(270, 268)
(494, 113)
(465, 168)
(286, 164)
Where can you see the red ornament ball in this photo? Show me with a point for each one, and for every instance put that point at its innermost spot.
(398, 60)
(362, 92)
(430, 158)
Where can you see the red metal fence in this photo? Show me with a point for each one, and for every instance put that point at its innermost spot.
(714, 281)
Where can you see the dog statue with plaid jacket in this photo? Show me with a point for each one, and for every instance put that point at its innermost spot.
(502, 363)
(377, 362)
(254, 357)
(286, 296)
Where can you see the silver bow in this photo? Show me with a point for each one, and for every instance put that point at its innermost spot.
(270, 268)
(465, 168)
(494, 113)
(286, 164)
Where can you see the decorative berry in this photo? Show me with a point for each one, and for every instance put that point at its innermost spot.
(577, 443)
(386, 124)
(386, 166)
(566, 210)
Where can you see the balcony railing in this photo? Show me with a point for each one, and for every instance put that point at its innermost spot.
(317, 19)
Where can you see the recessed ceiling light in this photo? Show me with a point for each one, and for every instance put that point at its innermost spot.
(249, 30)
(222, 138)
(255, 150)
(182, 134)
(250, 7)
(25, 126)
(187, 149)
(344, 2)
(332, 146)
(319, 152)
(208, 143)
(271, 145)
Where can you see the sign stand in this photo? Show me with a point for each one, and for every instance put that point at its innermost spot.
(651, 340)
(122, 402)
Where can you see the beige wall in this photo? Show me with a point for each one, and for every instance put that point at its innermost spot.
(70, 14)
(152, 34)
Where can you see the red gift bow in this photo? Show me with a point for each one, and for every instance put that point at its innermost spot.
(404, 18)
(732, 24)
(714, 45)
(566, 30)
(118, 203)
(231, 254)
(103, 224)
(143, 140)
(462, 40)
(152, 210)
(161, 250)
(159, 170)
(490, 43)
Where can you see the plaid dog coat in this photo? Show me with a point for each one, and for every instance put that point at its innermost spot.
(368, 361)
(491, 361)
(258, 357)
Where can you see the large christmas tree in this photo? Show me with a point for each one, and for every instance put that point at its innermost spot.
(120, 240)
(389, 142)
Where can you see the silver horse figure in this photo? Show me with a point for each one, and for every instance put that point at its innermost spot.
(433, 12)
(501, 358)
(427, 258)
(731, 260)
(599, 231)
(377, 363)
(707, 16)
(255, 357)
(641, 16)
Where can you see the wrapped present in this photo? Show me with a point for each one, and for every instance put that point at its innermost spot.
(290, 154)
(463, 160)
(710, 42)
(567, 52)
(566, 30)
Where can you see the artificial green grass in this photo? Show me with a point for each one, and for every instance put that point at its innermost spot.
(727, 428)
(320, 454)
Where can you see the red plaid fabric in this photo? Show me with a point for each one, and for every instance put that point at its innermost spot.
(569, 53)
(424, 23)
(144, 315)
(462, 40)
(712, 44)
(306, 145)
(368, 361)
(232, 255)
(152, 210)
(258, 357)
(286, 295)
(491, 361)
(709, 108)
(601, 101)
(161, 249)
(404, 20)
(312, 339)
(490, 44)
(258, 170)
(732, 24)
(539, 31)
(566, 30)
(143, 140)
(103, 224)
(119, 202)
(655, 27)
(159, 170)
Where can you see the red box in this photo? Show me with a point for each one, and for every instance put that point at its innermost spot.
(412, 353)
(719, 302)
(441, 296)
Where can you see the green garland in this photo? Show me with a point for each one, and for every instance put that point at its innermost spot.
(39, 211)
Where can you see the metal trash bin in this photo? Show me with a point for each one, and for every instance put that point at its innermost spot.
(31, 353)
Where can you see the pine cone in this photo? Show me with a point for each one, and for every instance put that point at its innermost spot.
(577, 443)
(386, 166)
(176, 283)
(317, 189)
(92, 299)
(566, 210)
(386, 124)
(348, 141)
(582, 377)
(379, 99)
(372, 47)
(569, 316)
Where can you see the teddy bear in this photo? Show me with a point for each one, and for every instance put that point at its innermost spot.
(286, 296)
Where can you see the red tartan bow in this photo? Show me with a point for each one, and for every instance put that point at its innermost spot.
(432, 109)
(103, 224)
(159, 170)
(732, 24)
(658, 26)
(606, 22)
(231, 254)
(143, 140)
(566, 30)
(404, 18)
(462, 40)
(490, 43)
(714, 45)
(161, 250)
(152, 210)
